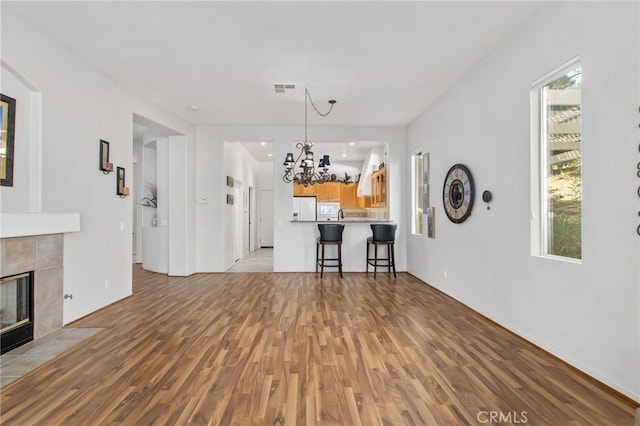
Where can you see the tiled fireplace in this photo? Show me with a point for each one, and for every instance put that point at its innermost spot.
(16, 311)
(41, 257)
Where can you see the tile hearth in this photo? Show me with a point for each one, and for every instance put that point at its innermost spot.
(20, 361)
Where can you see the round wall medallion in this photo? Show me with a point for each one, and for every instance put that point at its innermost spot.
(457, 193)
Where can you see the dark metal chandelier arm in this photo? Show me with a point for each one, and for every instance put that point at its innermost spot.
(291, 175)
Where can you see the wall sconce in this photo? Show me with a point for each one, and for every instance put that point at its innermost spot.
(105, 166)
(121, 189)
(486, 197)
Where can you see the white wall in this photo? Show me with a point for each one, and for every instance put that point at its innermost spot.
(140, 192)
(181, 202)
(210, 218)
(265, 176)
(80, 106)
(17, 198)
(587, 314)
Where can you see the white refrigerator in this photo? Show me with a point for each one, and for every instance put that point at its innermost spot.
(304, 208)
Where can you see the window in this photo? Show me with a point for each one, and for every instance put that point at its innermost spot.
(416, 193)
(558, 160)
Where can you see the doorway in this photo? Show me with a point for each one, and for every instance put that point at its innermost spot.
(249, 165)
(157, 152)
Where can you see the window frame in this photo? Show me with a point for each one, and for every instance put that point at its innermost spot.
(539, 166)
(417, 193)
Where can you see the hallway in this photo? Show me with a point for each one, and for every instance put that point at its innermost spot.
(260, 260)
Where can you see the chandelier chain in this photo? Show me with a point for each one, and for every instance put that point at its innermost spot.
(306, 91)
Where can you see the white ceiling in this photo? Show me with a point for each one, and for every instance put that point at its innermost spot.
(384, 62)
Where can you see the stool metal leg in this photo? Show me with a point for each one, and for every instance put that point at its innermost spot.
(367, 267)
(322, 264)
(393, 260)
(375, 262)
(317, 258)
(389, 259)
(340, 259)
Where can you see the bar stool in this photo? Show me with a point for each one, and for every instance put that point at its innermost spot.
(330, 234)
(383, 235)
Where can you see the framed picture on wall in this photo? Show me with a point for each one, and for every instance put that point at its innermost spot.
(8, 117)
(425, 182)
(229, 199)
(230, 181)
(431, 227)
(105, 165)
(121, 188)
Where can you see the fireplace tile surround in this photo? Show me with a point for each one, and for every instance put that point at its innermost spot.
(42, 254)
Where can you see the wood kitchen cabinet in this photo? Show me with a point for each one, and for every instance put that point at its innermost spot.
(329, 191)
(379, 188)
(304, 191)
(349, 197)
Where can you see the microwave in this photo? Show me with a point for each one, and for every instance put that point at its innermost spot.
(328, 211)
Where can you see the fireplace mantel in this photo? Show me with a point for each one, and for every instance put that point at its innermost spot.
(28, 224)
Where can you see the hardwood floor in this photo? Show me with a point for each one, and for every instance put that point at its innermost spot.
(243, 349)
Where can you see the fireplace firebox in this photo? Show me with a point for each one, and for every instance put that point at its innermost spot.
(16, 311)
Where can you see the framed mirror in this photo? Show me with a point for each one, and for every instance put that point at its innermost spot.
(8, 117)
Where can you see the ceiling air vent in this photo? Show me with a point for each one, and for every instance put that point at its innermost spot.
(286, 88)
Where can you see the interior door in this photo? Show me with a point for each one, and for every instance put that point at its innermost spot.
(266, 218)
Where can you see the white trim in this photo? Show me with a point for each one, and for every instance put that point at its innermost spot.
(414, 203)
(559, 258)
(535, 184)
(27, 224)
(553, 74)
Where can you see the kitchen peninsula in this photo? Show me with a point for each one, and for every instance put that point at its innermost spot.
(339, 201)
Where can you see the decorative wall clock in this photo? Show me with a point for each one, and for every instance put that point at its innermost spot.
(457, 193)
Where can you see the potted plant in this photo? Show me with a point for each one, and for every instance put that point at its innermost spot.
(153, 200)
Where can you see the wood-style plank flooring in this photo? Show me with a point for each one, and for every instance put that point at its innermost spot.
(290, 349)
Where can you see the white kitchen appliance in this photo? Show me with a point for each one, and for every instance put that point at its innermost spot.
(304, 208)
(328, 210)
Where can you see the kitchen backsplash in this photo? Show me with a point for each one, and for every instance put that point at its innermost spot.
(364, 213)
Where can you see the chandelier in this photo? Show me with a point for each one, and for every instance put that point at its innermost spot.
(309, 175)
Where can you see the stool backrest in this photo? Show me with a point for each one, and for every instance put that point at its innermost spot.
(331, 232)
(383, 232)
